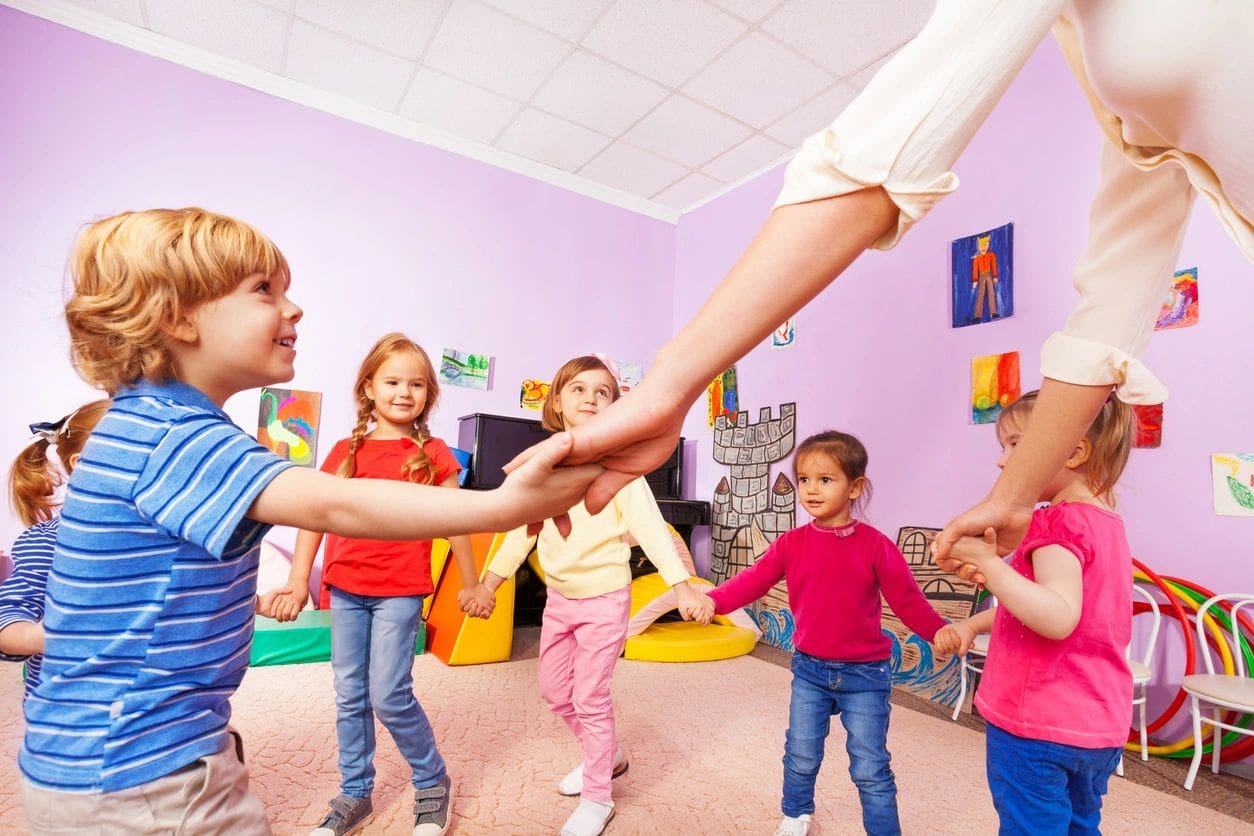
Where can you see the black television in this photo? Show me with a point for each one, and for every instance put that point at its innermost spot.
(493, 440)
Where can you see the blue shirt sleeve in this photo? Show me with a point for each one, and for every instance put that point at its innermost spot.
(22, 593)
(201, 478)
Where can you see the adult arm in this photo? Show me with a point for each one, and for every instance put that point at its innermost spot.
(1136, 231)
(862, 182)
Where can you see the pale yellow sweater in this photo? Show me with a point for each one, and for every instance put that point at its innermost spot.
(594, 559)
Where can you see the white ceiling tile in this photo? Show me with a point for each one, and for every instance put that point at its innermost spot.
(746, 158)
(128, 11)
(686, 131)
(751, 10)
(688, 191)
(481, 45)
(868, 29)
(334, 63)
(402, 27)
(568, 18)
(240, 29)
(281, 5)
(456, 107)
(813, 116)
(757, 81)
(663, 39)
(863, 77)
(633, 170)
(593, 92)
(547, 139)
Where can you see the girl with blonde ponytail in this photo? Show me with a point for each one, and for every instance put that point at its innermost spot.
(375, 588)
(34, 480)
(1056, 690)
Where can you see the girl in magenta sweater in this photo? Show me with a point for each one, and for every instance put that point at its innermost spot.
(836, 567)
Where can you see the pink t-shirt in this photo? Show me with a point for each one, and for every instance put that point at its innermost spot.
(1076, 691)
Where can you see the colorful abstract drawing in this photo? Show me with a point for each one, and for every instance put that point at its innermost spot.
(722, 397)
(785, 336)
(994, 385)
(287, 423)
(982, 283)
(1180, 307)
(461, 368)
(532, 393)
(629, 376)
(1149, 424)
(914, 667)
(1232, 475)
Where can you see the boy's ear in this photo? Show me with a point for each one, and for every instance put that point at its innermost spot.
(184, 330)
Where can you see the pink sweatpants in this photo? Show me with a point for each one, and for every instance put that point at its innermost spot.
(580, 641)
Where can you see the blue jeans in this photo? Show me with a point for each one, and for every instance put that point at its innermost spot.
(372, 657)
(858, 692)
(1047, 788)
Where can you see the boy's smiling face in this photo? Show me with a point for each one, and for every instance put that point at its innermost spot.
(240, 341)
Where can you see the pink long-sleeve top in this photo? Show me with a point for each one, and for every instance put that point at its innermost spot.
(835, 579)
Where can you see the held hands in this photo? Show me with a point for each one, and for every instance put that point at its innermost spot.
(283, 604)
(694, 605)
(537, 488)
(477, 601)
(1008, 520)
(973, 555)
(954, 638)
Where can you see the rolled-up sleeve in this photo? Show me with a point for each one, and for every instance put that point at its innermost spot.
(906, 129)
(1136, 230)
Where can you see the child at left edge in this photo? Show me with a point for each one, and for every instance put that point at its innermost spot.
(836, 566)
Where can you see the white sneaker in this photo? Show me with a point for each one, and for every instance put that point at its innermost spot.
(572, 784)
(798, 826)
(589, 819)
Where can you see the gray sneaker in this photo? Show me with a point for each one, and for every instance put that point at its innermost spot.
(433, 808)
(347, 815)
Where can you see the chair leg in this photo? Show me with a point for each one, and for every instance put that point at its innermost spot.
(1219, 733)
(962, 687)
(1196, 712)
(1144, 731)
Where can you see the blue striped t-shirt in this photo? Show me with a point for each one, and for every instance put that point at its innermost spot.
(22, 593)
(150, 600)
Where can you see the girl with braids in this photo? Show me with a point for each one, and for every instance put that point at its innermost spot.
(1056, 690)
(376, 589)
(33, 483)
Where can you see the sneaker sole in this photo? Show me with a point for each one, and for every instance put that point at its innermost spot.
(452, 795)
(619, 769)
(357, 828)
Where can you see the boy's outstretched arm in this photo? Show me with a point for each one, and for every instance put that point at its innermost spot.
(383, 509)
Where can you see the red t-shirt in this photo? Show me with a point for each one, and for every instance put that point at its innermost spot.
(382, 567)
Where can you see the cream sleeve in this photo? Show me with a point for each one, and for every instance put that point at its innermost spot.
(905, 130)
(513, 551)
(1136, 228)
(644, 521)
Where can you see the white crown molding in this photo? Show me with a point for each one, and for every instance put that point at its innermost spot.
(160, 46)
(740, 181)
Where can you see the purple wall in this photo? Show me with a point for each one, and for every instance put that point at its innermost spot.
(382, 233)
(876, 356)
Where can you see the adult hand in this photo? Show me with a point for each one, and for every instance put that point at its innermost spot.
(1010, 521)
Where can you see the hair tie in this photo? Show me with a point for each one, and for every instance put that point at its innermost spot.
(611, 365)
(49, 431)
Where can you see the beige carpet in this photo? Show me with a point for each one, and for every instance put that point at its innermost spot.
(704, 741)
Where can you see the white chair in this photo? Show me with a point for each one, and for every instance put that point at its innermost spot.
(972, 662)
(1221, 691)
(1142, 673)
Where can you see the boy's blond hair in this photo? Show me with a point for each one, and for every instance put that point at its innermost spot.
(137, 274)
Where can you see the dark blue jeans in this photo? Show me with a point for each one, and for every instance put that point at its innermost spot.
(858, 692)
(1047, 788)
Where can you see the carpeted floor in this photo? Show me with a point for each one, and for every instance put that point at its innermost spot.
(704, 741)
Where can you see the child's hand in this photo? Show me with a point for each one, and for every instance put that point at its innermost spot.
(954, 638)
(283, 604)
(979, 552)
(477, 601)
(540, 489)
(689, 601)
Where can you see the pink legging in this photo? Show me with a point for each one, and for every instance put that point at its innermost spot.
(580, 641)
